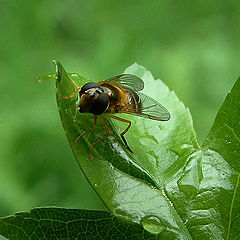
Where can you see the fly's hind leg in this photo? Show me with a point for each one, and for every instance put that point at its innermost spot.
(73, 94)
(122, 134)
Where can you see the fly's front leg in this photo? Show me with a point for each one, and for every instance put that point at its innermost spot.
(74, 93)
(85, 133)
(102, 139)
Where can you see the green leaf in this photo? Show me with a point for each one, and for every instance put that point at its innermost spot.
(129, 185)
(192, 186)
(213, 211)
(222, 163)
(224, 135)
(171, 187)
(60, 223)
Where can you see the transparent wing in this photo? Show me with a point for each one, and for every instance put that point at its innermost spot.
(149, 108)
(127, 80)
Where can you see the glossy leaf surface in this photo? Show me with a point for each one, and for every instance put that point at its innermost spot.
(171, 187)
(128, 184)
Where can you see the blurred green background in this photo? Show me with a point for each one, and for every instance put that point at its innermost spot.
(193, 46)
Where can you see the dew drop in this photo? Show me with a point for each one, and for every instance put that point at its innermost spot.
(74, 75)
(152, 224)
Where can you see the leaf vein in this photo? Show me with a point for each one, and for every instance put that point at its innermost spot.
(231, 208)
(233, 132)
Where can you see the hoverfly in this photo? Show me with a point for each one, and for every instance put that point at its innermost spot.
(119, 94)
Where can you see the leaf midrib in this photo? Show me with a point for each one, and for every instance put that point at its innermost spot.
(231, 208)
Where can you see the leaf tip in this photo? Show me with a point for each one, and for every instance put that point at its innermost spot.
(55, 62)
(59, 70)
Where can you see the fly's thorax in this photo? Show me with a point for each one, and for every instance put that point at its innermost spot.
(114, 93)
(117, 96)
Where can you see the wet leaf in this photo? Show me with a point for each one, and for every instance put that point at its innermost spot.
(128, 184)
(171, 187)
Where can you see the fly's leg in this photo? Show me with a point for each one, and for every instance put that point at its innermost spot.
(109, 131)
(85, 133)
(122, 134)
(73, 94)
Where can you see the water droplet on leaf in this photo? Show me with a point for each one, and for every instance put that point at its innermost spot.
(74, 75)
(152, 224)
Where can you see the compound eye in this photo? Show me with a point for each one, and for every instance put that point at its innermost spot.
(100, 104)
(87, 86)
